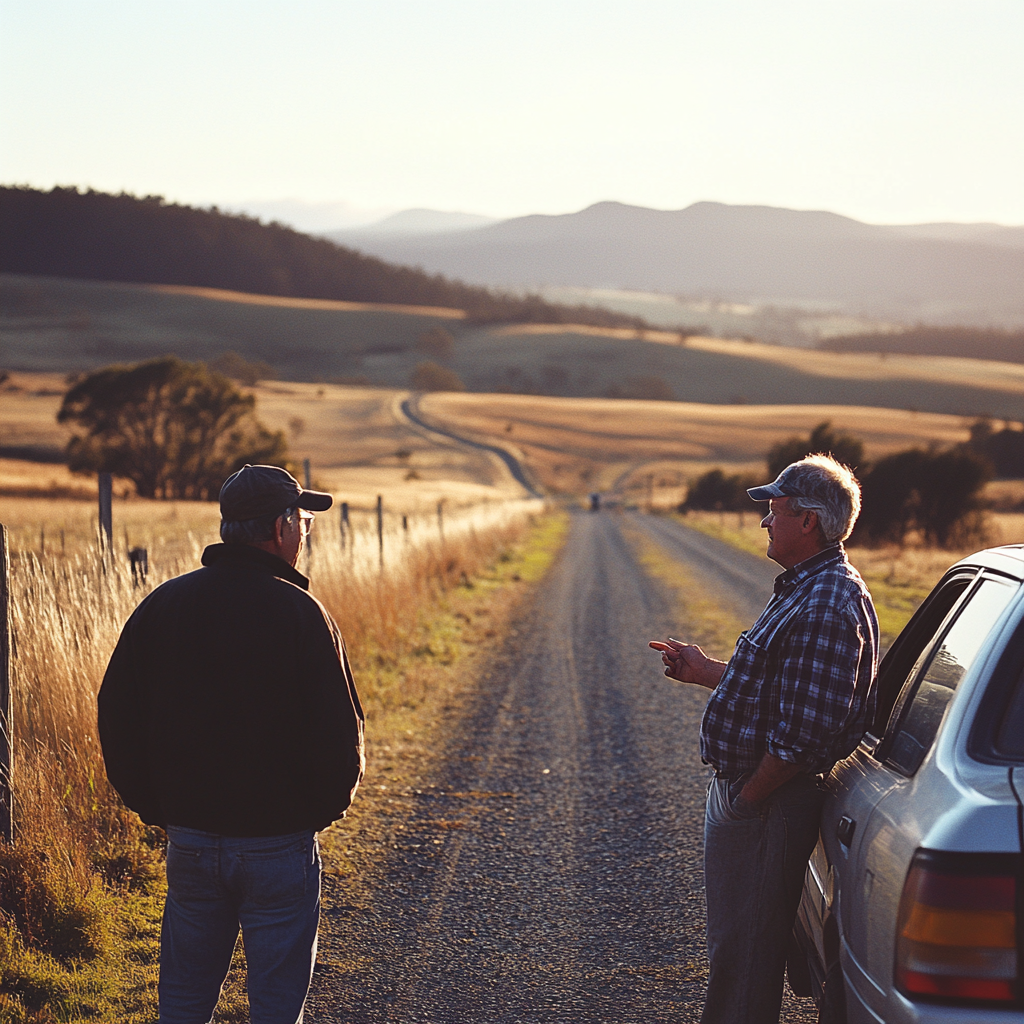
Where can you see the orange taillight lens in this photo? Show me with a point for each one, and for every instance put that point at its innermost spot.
(956, 936)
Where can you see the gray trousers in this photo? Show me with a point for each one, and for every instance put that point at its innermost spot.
(753, 874)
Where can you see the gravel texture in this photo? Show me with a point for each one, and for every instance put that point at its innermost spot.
(544, 863)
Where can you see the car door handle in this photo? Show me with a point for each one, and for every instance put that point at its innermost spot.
(844, 830)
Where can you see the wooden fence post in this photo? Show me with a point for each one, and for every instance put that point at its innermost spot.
(344, 524)
(6, 696)
(380, 529)
(106, 513)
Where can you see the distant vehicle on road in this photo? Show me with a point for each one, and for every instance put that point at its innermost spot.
(909, 911)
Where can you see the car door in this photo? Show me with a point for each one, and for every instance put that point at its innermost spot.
(859, 784)
(915, 795)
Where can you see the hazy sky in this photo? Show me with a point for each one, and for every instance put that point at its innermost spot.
(887, 110)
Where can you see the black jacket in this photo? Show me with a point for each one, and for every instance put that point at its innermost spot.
(229, 705)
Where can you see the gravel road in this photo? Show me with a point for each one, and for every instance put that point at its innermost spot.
(548, 867)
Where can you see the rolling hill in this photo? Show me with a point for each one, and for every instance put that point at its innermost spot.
(67, 326)
(102, 237)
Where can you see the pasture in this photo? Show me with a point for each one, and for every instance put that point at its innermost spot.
(604, 444)
(63, 325)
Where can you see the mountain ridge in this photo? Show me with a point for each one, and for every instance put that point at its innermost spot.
(746, 253)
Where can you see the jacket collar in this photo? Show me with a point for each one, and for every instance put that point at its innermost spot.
(792, 578)
(247, 555)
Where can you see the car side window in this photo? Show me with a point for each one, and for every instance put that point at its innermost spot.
(901, 659)
(935, 681)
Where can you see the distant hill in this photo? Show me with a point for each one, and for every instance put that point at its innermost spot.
(407, 223)
(937, 273)
(93, 235)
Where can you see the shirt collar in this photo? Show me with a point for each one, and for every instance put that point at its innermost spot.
(789, 579)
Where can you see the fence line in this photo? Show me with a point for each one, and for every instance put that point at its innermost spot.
(6, 696)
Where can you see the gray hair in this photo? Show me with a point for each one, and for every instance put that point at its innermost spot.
(251, 531)
(828, 488)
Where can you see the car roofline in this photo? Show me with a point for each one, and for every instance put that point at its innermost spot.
(1007, 559)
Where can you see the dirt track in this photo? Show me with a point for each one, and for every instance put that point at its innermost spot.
(550, 867)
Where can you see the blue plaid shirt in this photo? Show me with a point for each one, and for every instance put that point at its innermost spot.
(800, 683)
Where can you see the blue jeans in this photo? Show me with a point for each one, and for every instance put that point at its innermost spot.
(754, 870)
(270, 887)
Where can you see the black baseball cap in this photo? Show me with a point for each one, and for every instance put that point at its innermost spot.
(256, 491)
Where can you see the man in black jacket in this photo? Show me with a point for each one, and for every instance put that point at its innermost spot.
(229, 717)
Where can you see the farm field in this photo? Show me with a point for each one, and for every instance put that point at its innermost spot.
(356, 439)
(65, 325)
(360, 444)
(604, 444)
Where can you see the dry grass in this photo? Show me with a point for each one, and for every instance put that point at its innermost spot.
(68, 325)
(357, 440)
(80, 888)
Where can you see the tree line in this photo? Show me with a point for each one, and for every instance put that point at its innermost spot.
(125, 238)
(962, 342)
(935, 492)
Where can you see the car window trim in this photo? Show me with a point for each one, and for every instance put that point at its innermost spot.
(968, 575)
(924, 659)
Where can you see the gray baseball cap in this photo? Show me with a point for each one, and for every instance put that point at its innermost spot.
(256, 491)
(781, 487)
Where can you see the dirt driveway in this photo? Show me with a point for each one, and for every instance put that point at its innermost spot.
(548, 867)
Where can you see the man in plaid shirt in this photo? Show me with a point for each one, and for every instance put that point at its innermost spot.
(795, 697)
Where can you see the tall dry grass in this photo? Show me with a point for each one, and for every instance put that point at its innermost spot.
(78, 852)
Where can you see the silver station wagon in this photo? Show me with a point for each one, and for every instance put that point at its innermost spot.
(911, 901)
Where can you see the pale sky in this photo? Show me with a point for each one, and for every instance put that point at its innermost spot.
(891, 111)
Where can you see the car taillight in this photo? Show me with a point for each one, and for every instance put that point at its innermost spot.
(956, 935)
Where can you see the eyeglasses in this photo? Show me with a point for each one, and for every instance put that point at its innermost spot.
(305, 521)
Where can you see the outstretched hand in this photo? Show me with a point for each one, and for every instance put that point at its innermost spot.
(687, 663)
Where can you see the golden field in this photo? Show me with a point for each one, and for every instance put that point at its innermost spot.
(605, 444)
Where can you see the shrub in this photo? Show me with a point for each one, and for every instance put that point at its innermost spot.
(436, 342)
(431, 376)
(845, 448)
(1004, 448)
(936, 493)
(716, 491)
